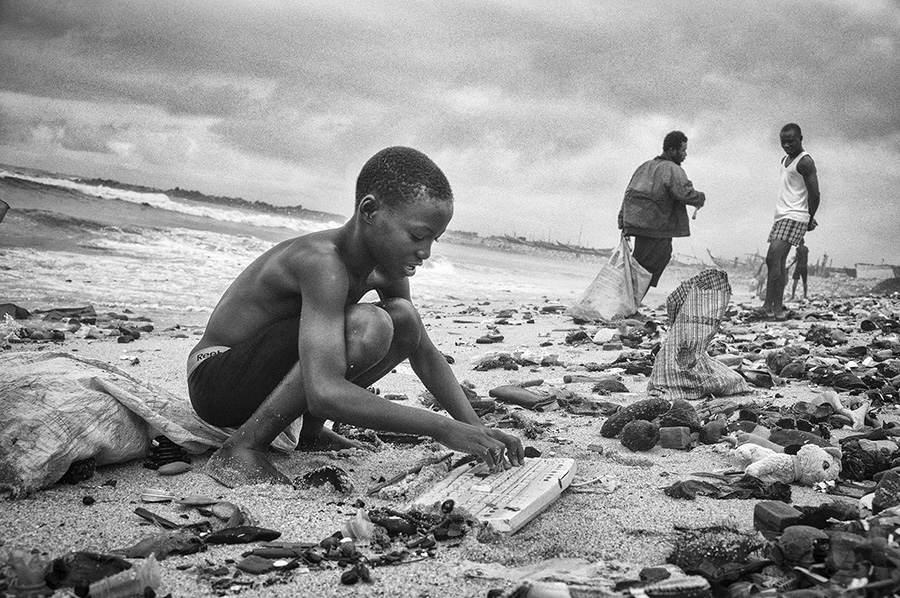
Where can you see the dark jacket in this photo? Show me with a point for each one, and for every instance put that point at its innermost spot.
(656, 201)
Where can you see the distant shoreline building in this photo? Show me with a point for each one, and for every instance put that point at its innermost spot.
(877, 271)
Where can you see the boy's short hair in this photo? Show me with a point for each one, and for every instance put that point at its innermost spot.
(674, 140)
(792, 127)
(399, 174)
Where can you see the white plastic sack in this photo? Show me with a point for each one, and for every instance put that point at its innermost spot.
(59, 408)
(616, 291)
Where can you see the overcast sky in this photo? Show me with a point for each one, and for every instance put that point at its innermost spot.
(538, 112)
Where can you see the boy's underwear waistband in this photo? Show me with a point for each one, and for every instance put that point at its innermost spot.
(197, 357)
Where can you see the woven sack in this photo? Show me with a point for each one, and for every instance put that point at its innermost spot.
(683, 369)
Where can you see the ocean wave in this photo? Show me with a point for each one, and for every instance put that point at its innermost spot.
(62, 221)
(438, 266)
(164, 202)
(209, 250)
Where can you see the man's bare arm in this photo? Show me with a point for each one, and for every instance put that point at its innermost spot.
(807, 168)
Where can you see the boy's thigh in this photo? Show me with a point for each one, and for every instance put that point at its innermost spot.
(226, 389)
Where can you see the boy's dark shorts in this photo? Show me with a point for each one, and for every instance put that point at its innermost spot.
(653, 254)
(226, 389)
(800, 273)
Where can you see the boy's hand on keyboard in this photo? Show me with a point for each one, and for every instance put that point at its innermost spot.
(486, 444)
(515, 451)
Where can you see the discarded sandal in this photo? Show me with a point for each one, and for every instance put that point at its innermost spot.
(813, 412)
(757, 378)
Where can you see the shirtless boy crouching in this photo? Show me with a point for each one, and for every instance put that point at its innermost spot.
(289, 339)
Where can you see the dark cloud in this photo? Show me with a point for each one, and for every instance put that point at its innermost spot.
(824, 59)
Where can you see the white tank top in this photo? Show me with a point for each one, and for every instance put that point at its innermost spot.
(793, 196)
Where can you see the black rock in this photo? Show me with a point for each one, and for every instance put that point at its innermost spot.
(242, 535)
(640, 435)
(79, 471)
(887, 492)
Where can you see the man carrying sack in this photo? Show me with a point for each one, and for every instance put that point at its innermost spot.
(654, 209)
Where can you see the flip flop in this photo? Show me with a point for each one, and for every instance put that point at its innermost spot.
(812, 411)
(757, 378)
(848, 381)
(757, 315)
(788, 314)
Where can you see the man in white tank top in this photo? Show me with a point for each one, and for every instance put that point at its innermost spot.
(795, 210)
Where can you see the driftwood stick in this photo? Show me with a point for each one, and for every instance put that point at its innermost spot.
(416, 469)
(154, 518)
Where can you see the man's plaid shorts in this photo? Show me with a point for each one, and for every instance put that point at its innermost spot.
(788, 230)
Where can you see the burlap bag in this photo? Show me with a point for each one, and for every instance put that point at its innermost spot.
(683, 369)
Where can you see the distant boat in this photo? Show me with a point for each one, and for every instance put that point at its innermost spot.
(558, 246)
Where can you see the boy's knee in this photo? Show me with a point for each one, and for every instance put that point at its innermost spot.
(406, 321)
(368, 327)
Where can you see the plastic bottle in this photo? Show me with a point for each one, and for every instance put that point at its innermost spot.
(29, 569)
(130, 582)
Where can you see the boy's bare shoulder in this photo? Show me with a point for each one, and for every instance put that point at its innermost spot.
(314, 249)
(293, 263)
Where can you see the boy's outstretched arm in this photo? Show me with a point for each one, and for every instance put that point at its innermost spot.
(328, 393)
(433, 370)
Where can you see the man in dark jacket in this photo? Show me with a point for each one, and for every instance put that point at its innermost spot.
(655, 206)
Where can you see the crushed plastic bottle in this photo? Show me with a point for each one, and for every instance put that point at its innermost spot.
(29, 569)
(131, 582)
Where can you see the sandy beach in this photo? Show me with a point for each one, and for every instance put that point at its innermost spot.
(621, 532)
(618, 525)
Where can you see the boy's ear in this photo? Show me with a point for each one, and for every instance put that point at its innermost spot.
(368, 205)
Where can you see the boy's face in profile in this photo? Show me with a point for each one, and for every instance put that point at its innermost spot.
(405, 232)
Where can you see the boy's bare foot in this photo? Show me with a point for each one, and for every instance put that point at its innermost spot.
(236, 466)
